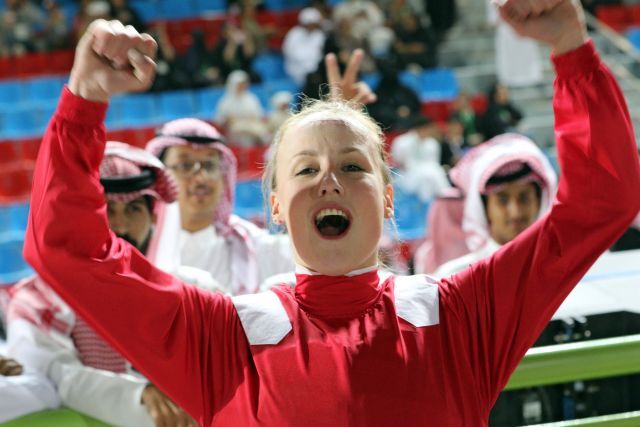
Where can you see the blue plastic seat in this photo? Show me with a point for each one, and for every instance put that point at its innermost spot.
(634, 37)
(149, 10)
(273, 86)
(139, 110)
(177, 9)
(438, 85)
(260, 91)
(43, 113)
(410, 215)
(205, 6)
(206, 102)
(270, 66)
(44, 89)
(11, 93)
(372, 79)
(12, 266)
(176, 105)
(13, 220)
(249, 201)
(19, 123)
(411, 80)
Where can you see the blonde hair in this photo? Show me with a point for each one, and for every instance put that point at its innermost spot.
(317, 111)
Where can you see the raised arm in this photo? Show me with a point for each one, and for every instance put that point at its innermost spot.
(166, 329)
(505, 302)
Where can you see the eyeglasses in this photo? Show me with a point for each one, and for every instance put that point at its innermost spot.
(190, 168)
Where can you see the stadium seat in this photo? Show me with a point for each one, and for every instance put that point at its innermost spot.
(29, 149)
(19, 123)
(15, 183)
(438, 84)
(177, 9)
(617, 17)
(12, 266)
(11, 93)
(42, 114)
(6, 67)
(210, 6)
(13, 219)
(412, 80)
(410, 215)
(206, 102)
(43, 89)
(9, 153)
(436, 110)
(260, 91)
(32, 64)
(139, 110)
(149, 10)
(249, 202)
(270, 66)
(634, 37)
(177, 104)
(60, 62)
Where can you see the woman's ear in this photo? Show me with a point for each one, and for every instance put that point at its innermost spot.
(275, 209)
(388, 202)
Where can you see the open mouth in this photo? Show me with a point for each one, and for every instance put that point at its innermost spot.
(332, 223)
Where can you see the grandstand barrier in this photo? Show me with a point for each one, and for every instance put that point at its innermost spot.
(628, 419)
(585, 360)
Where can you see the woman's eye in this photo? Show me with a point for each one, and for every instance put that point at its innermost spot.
(306, 171)
(352, 168)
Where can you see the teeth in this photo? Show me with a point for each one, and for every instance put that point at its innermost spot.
(327, 212)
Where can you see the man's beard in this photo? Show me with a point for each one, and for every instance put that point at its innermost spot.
(142, 247)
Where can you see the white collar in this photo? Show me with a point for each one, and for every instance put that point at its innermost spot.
(304, 270)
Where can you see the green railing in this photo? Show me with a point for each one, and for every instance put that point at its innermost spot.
(585, 360)
(541, 366)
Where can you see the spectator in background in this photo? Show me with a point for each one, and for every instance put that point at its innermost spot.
(120, 10)
(518, 59)
(169, 72)
(91, 376)
(89, 11)
(259, 32)
(280, 110)
(508, 184)
(20, 22)
(235, 50)
(303, 45)
(363, 16)
(239, 112)
(55, 34)
(453, 143)
(417, 154)
(199, 63)
(23, 393)
(415, 45)
(200, 230)
(396, 102)
(464, 112)
(501, 115)
(443, 15)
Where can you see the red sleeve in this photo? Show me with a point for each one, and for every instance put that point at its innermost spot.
(166, 329)
(501, 305)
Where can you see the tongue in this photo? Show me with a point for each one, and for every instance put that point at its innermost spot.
(329, 230)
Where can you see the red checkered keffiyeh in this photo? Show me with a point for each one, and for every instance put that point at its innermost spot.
(133, 173)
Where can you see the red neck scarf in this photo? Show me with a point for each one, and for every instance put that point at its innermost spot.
(334, 297)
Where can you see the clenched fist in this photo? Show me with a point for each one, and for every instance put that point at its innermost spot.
(558, 23)
(110, 59)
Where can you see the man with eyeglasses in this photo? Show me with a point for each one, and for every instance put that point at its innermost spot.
(200, 230)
